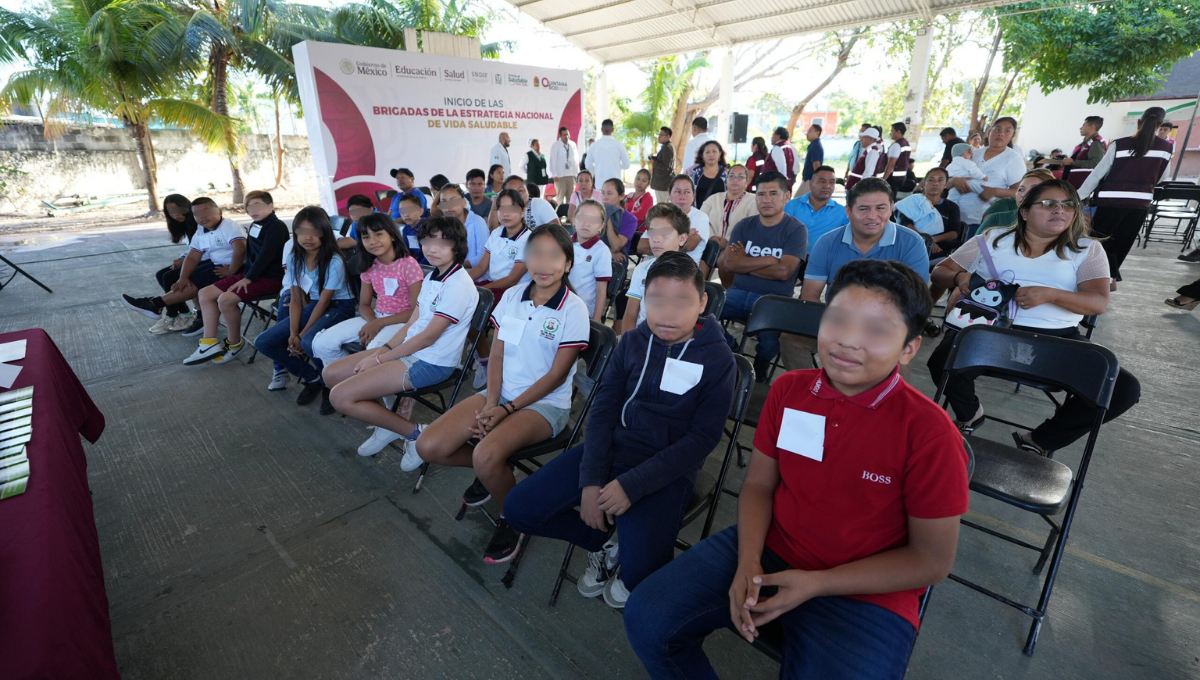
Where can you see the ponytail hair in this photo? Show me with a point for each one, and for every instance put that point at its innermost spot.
(1147, 127)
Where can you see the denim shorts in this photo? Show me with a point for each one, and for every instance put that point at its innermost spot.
(557, 417)
(422, 374)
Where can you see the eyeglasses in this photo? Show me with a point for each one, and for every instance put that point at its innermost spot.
(1052, 205)
(737, 175)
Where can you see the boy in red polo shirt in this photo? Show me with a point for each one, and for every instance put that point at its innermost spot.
(849, 509)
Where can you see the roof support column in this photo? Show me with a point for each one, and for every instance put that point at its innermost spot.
(725, 100)
(918, 83)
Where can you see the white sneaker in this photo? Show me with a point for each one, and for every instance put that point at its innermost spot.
(615, 593)
(163, 325)
(278, 382)
(182, 322)
(601, 568)
(378, 442)
(412, 460)
(205, 353)
(231, 352)
(480, 380)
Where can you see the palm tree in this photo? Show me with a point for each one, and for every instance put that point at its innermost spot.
(668, 88)
(381, 23)
(89, 56)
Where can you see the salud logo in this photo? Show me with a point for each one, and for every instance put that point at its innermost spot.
(515, 79)
(451, 75)
(347, 66)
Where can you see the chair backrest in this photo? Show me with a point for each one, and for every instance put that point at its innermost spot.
(384, 196)
(712, 250)
(1081, 368)
(562, 211)
(742, 389)
(716, 299)
(634, 241)
(1089, 325)
(602, 340)
(483, 309)
(617, 282)
(785, 315)
(340, 224)
(1174, 192)
(479, 321)
(427, 269)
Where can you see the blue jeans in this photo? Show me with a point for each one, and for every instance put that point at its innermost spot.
(544, 505)
(738, 304)
(826, 638)
(273, 342)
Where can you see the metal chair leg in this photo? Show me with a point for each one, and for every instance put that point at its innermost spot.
(515, 563)
(562, 574)
(462, 512)
(421, 477)
(22, 272)
(1048, 549)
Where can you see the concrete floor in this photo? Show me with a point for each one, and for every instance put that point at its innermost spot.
(243, 538)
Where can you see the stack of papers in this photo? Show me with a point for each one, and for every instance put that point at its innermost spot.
(16, 427)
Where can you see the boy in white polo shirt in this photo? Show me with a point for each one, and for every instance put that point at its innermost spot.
(667, 229)
(593, 260)
(219, 240)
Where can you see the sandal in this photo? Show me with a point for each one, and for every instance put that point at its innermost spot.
(1185, 306)
(968, 428)
(1026, 446)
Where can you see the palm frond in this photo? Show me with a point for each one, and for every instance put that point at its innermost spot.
(214, 130)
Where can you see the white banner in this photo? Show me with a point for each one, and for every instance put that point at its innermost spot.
(371, 110)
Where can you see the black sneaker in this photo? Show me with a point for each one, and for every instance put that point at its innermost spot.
(195, 329)
(932, 329)
(504, 544)
(761, 368)
(326, 407)
(477, 494)
(309, 394)
(1193, 256)
(142, 306)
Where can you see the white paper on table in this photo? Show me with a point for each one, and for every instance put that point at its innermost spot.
(8, 375)
(12, 351)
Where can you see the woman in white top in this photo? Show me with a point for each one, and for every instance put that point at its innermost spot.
(1003, 167)
(1063, 276)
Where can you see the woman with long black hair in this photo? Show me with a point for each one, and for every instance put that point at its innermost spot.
(1123, 183)
(181, 224)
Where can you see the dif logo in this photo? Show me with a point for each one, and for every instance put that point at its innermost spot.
(480, 77)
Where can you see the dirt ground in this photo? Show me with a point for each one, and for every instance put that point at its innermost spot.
(129, 214)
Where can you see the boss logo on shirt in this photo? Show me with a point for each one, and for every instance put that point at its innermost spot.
(549, 328)
(872, 477)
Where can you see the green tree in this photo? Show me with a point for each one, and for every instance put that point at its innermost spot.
(87, 56)
(1121, 48)
(665, 99)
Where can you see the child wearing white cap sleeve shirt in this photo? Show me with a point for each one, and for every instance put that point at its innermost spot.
(541, 327)
(593, 259)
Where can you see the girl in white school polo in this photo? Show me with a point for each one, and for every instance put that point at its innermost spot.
(541, 327)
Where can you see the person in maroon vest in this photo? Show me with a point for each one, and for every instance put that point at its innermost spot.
(1087, 154)
(898, 158)
(1123, 185)
(870, 163)
(782, 157)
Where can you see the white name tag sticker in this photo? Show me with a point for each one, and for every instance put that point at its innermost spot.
(680, 376)
(255, 230)
(802, 433)
(390, 286)
(511, 329)
(306, 281)
(413, 242)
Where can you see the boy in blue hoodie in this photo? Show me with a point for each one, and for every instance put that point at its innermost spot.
(660, 411)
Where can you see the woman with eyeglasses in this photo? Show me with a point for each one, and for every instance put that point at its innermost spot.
(1123, 185)
(1063, 277)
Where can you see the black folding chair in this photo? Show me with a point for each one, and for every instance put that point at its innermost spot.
(602, 340)
(384, 198)
(770, 636)
(1178, 202)
(706, 494)
(716, 299)
(1088, 324)
(562, 211)
(616, 288)
(634, 256)
(340, 224)
(1021, 478)
(262, 307)
(712, 250)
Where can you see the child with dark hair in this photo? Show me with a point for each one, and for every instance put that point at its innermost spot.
(358, 206)
(667, 229)
(423, 352)
(541, 327)
(320, 298)
(849, 509)
(391, 283)
(216, 250)
(659, 413)
(261, 277)
(181, 224)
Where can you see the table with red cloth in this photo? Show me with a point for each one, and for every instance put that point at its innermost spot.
(53, 608)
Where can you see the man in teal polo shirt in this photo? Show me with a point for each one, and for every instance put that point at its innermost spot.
(870, 235)
(816, 209)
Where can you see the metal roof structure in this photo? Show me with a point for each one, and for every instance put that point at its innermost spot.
(613, 31)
